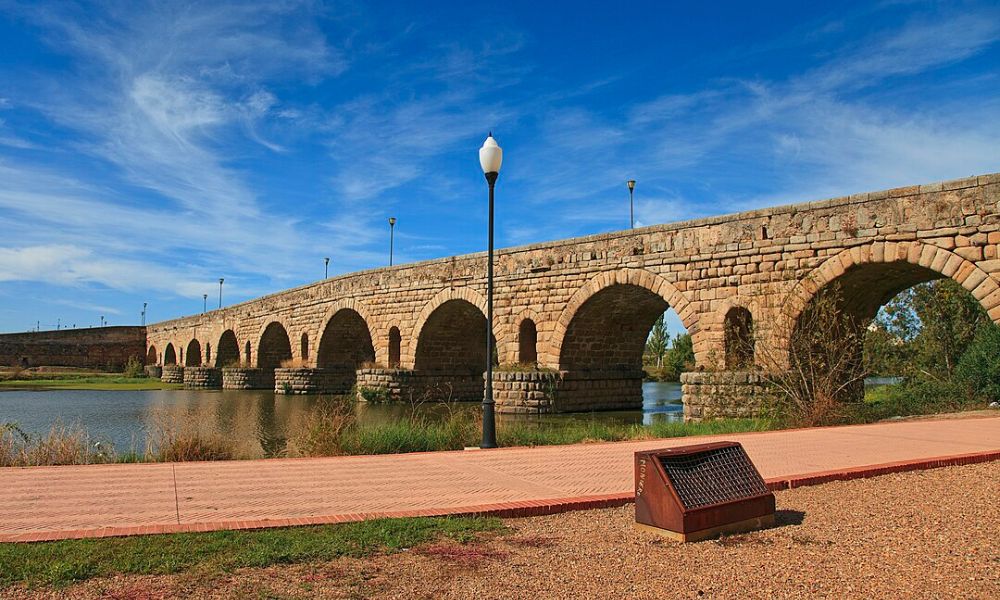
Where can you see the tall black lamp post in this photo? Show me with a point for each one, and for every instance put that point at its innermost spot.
(490, 157)
(144, 313)
(221, 279)
(204, 303)
(631, 210)
(392, 229)
(326, 268)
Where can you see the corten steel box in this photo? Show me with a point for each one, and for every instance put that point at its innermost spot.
(694, 493)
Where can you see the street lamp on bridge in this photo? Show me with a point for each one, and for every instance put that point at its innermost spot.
(221, 279)
(204, 303)
(392, 228)
(631, 209)
(144, 313)
(326, 268)
(490, 158)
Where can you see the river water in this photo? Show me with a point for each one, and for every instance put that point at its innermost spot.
(261, 419)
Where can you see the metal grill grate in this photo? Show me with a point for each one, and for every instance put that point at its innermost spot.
(713, 476)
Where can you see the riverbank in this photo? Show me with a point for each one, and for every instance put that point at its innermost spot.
(110, 383)
(67, 378)
(929, 534)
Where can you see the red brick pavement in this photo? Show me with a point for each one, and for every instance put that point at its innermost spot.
(46, 503)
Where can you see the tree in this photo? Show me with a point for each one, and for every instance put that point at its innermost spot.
(656, 343)
(680, 356)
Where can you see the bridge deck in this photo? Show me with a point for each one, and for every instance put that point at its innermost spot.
(45, 503)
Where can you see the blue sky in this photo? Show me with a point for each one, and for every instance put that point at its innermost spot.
(148, 149)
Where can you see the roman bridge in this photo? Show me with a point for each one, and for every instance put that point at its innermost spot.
(572, 316)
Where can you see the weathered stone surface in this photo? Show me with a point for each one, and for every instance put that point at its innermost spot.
(238, 378)
(106, 348)
(202, 378)
(590, 301)
(172, 374)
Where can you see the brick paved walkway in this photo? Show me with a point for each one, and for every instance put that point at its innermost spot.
(44, 503)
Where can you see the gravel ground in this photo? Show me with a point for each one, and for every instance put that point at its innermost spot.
(929, 534)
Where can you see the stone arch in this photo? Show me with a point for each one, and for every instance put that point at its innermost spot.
(304, 346)
(527, 342)
(452, 339)
(193, 358)
(274, 346)
(613, 291)
(227, 352)
(738, 339)
(350, 304)
(151, 355)
(866, 277)
(468, 295)
(169, 355)
(876, 272)
(346, 341)
(395, 343)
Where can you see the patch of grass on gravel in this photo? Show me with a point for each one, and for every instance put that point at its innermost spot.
(63, 562)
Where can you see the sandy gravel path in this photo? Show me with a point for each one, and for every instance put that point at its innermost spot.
(926, 534)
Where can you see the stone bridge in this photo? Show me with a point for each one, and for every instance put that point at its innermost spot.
(572, 316)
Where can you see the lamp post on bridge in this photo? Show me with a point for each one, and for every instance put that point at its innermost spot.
(326, 268)
(221, 279)
(392, 229)
(144, 313)
(631, 209)
(204, 303)
(490, 158)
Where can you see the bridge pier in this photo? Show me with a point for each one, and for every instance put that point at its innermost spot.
(238, 378)
(718, 394)
(172, 374)
(203, 378)
(328, 380)
(406, 385)
(153, 371)
(542, 392)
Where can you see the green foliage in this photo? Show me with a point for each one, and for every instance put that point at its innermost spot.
(924, 331)
(374, 395)
(221, 552)
(656, 343)
(677, 359)
(979, 368)
(917, 396)
(134, 368)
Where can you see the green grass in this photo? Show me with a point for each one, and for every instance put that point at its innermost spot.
(64, 562)
(108, 383)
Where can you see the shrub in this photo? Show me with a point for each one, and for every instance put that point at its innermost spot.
(374, 395)
(62, 445)
(979, 368)
(134, 368)
(175, 439)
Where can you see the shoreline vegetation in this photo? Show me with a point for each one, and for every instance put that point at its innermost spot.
(331, 429)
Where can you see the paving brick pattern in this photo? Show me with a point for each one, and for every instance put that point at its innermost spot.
(44, 503)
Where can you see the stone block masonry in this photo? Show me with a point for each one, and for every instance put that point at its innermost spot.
(710, 395)
(99, 348)
(237, 378)
(172, 374)
(583, 307)
(202, 378)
